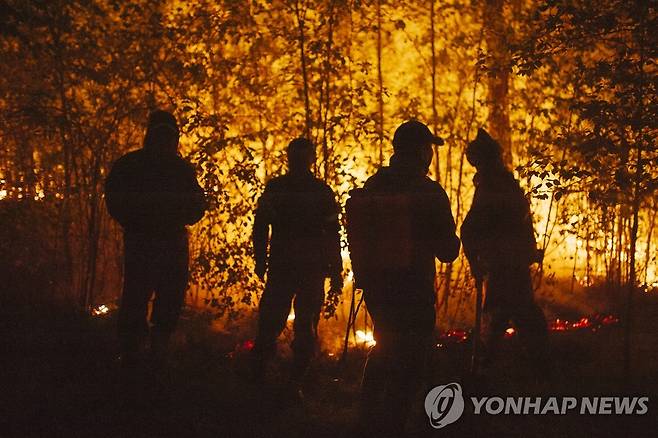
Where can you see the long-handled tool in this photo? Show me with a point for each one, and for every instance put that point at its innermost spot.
(476, 329)
(350, 321)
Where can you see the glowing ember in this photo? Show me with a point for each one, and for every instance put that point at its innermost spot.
(242, 348)
(559, 325)
(247, 345)
(650, 287)
(609, 320)
(366, 337)
(583, 323)
(593, 323)
(100, 310)
(585, 280)
(452, 337)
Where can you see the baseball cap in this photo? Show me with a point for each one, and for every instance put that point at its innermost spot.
(412, 133)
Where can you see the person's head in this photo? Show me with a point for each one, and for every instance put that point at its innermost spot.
(161, 133)
(484, 152)
(412, 146)
(301, 155)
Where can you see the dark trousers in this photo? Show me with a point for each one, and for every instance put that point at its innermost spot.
(509, 298)
(305, 291)
(152, 265)
(396, 365)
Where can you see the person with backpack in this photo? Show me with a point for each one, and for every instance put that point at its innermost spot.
(499, 243)
(154, 194)
(398, 224)
(296, 243)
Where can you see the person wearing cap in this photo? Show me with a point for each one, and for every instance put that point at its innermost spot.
(399, 223)
(297, 244)
(154, 194)
(499, 243)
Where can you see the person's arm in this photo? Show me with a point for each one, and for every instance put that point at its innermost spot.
(475, 229)
(332, 233)
(535, 255)
(196, 199)
(260, 234)
(469, 240)
(446, 243)
(116, 193)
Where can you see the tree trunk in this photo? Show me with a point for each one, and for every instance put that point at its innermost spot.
(380, 83)
(496, 30)
(435, 116)
(302, 54)
(637, 197)
(647, 259)
(325, 99)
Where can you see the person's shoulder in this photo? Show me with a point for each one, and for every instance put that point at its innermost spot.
(502, 186)
(173, 165)
(132, 156)
(380, 178)
(183, 165)
(277, 180)
(496, 181)
(129, 160)
(322, 186)
(508, 176)
(373, 179)
(509, 181)
(431, 185)
(276, 183)
(434, 190)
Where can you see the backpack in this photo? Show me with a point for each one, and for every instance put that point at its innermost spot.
(380, 233)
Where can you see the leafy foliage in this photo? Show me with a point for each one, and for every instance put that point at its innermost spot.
(79, 77)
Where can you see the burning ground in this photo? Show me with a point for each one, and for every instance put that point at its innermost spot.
(61, 379)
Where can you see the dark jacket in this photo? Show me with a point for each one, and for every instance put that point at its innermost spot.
(151, 194)
(405, 223)
(303, 215)
(497, 232)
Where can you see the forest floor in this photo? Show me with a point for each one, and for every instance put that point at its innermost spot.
(60, 377)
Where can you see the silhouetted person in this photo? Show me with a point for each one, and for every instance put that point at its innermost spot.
(153, 193)
(499, 243)
(304, 249)
(397, 225)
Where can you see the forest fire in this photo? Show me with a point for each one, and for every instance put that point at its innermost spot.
(274, 115)
(366, 338)
(582, 214)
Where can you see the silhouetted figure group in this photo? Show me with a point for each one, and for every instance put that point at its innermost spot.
(398, 223)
